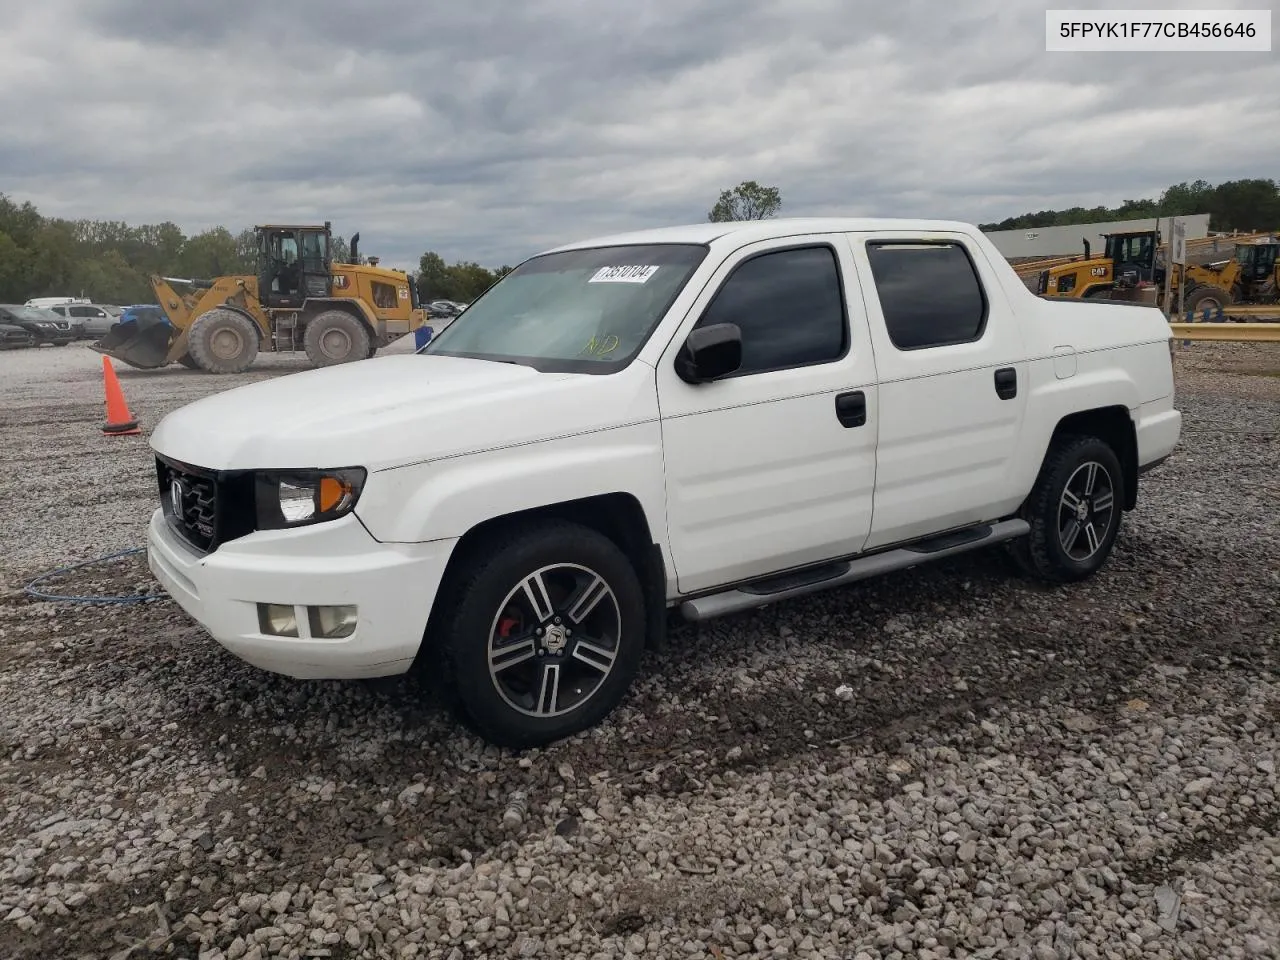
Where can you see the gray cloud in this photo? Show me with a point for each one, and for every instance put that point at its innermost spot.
(489, 131)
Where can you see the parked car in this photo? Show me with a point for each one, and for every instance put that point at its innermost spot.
(140, 311)
(13, 336)
(707, 418)
(46, 327)
(95, 319)
(52, 301)
(443, 308)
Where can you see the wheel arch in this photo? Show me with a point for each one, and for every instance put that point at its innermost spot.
(617, 515)
(1114, 426)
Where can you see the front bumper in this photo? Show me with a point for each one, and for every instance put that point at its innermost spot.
(392, 585)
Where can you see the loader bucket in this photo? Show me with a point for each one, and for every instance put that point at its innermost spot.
(143, 343)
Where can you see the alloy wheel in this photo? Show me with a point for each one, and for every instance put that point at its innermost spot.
(1085, 511)
(554, 640)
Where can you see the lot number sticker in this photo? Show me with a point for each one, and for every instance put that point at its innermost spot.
(623, 274)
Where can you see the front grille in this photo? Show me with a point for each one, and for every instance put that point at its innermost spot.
(205, 508)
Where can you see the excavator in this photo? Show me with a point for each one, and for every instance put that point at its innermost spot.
(299, 299)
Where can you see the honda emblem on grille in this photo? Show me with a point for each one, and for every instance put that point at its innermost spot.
(175, 498)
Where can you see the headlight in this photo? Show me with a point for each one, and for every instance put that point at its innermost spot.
(295, 498)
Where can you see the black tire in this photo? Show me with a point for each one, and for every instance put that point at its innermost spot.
(188, 361)
(1097, 293)
(223, 341)
(487, 608)
(1049, 552)
(336, 336)
(1205, 296)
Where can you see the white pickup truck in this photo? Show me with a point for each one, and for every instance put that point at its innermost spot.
(709, 417)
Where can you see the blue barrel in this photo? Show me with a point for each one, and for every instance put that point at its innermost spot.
(421, 337)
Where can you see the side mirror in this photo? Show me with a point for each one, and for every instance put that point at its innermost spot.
(710, 353)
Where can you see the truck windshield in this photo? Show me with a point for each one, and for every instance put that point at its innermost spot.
(577, 311)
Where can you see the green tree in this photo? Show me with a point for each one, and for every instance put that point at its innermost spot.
(1231, 205)
(247, 249)
(339, 250)
(747, 201)
(212, 253)
(1247, 205)
(1184, 199)
(434, 282)
(13, 270)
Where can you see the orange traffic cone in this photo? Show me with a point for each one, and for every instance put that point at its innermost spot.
(120, 422)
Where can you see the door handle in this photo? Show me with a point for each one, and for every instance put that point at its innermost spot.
(851, 408)
(1006, 383)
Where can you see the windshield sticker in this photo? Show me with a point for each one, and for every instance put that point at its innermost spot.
(623, 274)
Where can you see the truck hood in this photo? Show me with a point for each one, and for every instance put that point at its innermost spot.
(386, 412)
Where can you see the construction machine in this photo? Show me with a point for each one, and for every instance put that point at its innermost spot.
(1251, 275)
(298, 300)
(1127, 262)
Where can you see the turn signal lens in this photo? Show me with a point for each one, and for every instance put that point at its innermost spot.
(333, 491)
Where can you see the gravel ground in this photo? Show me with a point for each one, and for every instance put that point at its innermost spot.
(947, 762)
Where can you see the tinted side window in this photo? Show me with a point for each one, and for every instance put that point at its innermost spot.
(81, 312)
(929, 293)
(789, 306)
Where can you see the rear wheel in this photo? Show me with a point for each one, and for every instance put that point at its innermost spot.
(335, 336)
(223, 341)
(1074, 511)
(544, 633)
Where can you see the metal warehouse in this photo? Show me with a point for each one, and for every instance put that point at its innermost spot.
(1064, 241)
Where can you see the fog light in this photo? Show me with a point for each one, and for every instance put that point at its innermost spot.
(277, 619)
(332, 623)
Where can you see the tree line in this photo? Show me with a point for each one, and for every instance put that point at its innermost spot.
(1231, 205)
(110, 261)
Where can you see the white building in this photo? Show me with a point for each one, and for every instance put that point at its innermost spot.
(1068, 240)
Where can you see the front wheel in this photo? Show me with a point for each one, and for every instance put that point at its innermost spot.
(1203, 298)
(1074, 511)
(223, 341)
(545, 633)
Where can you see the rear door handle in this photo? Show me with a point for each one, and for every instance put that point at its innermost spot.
(1006, 383)
(851, 408)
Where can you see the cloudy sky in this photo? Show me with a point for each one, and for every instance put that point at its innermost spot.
(488, 130)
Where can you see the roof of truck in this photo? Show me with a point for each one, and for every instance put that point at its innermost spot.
(747, 231)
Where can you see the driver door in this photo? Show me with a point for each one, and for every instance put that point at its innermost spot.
(773, 466)
(280, 284)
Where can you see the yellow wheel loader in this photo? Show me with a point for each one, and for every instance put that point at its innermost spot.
(299, 300)
(1252, 275)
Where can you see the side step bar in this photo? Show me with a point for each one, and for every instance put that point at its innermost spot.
(826, 576)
